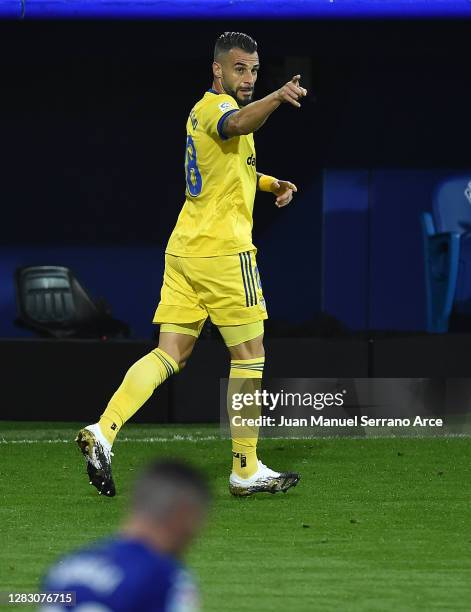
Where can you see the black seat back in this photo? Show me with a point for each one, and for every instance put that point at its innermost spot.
(51, 298)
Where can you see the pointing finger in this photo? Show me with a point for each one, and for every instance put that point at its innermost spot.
(299, 91)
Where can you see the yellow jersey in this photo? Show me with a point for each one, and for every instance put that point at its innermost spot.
(216, 218)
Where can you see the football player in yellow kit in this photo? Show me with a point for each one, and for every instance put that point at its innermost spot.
(210, 264)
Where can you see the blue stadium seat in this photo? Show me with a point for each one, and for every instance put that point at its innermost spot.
(447, 245)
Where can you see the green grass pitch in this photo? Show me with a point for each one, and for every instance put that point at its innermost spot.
(374, 525)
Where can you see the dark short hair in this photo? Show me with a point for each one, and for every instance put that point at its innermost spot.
(234, 40)
(163, 484)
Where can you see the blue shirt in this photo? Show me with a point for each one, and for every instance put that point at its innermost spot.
(122, 575)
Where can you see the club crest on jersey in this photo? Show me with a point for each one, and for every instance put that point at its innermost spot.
(224, 106)
(251, 160)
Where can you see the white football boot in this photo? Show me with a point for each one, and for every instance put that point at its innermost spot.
(97, 451)
(264, 480)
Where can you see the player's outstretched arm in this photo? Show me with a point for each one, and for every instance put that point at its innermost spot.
(251, 117)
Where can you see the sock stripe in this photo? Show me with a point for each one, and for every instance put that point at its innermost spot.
(168, 366)
(167, 362)
(241, 364)
(248, 361)
(169, 372)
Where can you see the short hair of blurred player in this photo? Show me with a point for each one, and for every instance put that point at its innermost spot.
(169, 506)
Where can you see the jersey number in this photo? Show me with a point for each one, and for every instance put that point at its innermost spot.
(193, 175)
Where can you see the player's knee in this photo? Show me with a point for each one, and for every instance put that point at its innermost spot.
(251, 349)
(256, 347)
(178, 346)
(182, 358)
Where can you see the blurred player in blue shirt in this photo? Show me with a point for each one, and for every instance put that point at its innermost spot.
(139, 568)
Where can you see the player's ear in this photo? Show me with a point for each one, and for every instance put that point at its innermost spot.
(217, 70)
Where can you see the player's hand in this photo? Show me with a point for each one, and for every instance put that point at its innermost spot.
(291, 92)
(284, 192)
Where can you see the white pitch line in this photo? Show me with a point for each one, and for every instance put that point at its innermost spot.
(180, 438)
(145, 440)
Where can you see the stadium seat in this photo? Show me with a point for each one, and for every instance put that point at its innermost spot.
(52, 303)
(447, 245)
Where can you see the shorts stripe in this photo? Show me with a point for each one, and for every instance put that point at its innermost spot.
(243, 279)
(248, 279)
(251, 276)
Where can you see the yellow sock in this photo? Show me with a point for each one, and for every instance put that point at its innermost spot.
(140, 381)
(245, 377)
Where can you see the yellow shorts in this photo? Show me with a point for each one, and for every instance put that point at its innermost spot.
(225, 288)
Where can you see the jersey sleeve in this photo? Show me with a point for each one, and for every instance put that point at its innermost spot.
(215, 112)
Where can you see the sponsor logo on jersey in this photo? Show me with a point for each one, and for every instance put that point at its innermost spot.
(251, 160)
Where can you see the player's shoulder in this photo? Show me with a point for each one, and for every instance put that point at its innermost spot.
(118, 567)
(210, 111)
(215, 100)
(117, 556)
(85, 567)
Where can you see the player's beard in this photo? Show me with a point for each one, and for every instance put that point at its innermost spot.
(245, 101)
(232, 92)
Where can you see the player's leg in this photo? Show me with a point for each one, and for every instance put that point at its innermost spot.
(148, 373)
(245, 378)
(176, 343)
(231, 290)
(178, 303)
(249, 475)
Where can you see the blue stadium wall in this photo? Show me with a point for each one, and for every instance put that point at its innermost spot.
(373, 262)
